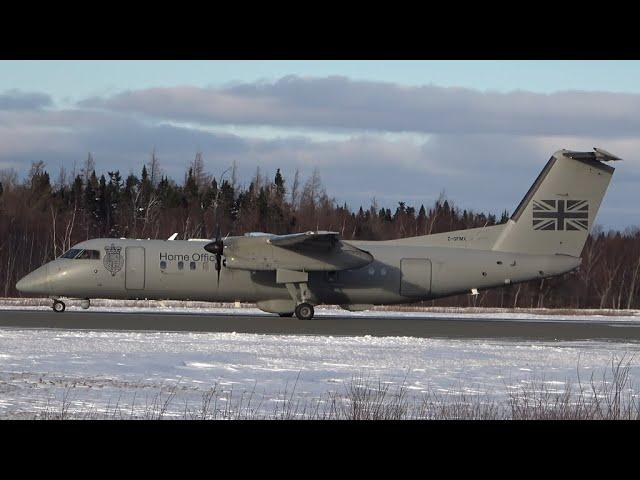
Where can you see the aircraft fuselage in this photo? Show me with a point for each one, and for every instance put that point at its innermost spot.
(183, 270)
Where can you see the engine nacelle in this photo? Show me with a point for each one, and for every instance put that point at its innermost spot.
(256, 253)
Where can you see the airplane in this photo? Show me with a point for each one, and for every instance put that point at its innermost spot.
(291, 274)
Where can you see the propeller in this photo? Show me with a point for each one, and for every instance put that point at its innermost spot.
(216, 247)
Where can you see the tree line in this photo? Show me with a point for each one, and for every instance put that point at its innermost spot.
(41, 218)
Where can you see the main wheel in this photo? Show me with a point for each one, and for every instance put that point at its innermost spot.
(304, 311)
(288, 314)
(58, 306)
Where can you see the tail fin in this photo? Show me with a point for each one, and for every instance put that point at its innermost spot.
(559, 210)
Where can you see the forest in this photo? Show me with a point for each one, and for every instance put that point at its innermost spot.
(41, 218)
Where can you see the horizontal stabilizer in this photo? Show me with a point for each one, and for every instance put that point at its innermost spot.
(597, 154)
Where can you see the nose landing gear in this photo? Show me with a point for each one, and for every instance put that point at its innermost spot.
(58, 306)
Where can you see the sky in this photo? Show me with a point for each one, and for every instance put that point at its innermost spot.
(479, 131)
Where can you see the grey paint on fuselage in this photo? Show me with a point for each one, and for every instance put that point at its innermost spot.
(452, 271)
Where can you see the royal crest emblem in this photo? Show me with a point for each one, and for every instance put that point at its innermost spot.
(113, 261)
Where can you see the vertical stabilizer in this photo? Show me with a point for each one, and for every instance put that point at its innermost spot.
(559, 210)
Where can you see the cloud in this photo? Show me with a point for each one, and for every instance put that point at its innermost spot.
(471, 169)
(17, 100)
(341, 103)
(474, 148)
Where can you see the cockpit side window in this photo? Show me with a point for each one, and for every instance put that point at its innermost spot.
(89, 255)
(80, 254)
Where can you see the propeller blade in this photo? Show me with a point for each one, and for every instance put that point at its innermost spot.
(214, 247)
(217, 248)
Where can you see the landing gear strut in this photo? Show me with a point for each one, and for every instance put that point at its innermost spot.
(58, 306)
(304, 311)
(296, 283)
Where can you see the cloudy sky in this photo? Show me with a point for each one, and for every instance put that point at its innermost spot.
(398, 131)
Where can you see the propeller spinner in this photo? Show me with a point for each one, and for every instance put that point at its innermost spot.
(217, 248)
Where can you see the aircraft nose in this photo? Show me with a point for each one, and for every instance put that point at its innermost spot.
(35, 282)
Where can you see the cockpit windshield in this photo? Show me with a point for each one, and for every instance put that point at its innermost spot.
(89, 255)
(80, 254)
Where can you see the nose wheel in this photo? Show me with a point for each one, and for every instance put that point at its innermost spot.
(58, 306)
(304, 311)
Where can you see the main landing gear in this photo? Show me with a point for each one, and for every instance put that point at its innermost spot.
(304, 311)
(300, 293)
(296, 283)
(58, 306)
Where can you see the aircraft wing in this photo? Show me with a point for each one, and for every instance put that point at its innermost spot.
(320, 239)
(306, 251)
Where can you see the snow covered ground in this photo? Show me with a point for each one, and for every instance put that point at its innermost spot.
(44, 370)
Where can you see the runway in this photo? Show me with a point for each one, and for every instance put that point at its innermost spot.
(431, 327)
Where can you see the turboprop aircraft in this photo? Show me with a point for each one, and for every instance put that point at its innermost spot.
(287, 274)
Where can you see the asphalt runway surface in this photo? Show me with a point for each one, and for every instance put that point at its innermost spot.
(438, 327)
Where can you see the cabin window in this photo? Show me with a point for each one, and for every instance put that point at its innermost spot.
(163, 265)
(89, 255)
(180, 265)
(192, 265)
(71, 253)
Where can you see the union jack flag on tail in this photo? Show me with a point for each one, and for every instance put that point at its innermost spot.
(560, 215)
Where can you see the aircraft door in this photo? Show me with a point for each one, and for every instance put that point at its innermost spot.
(415, 277)
(134, 269)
